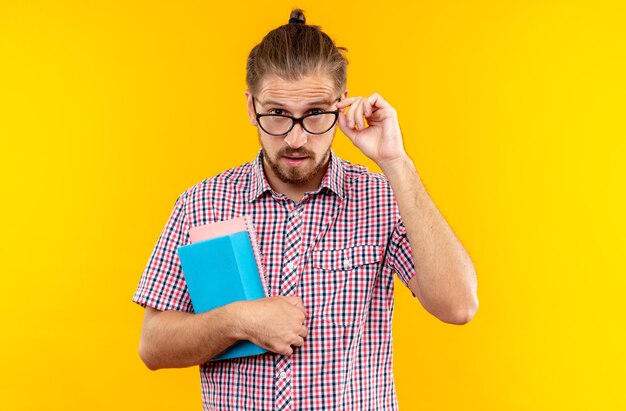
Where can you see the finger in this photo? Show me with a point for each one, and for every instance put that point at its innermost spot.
(346, 101)
(358, 115)
(367, 108)
(343, 125)
(378, 101)
(286, 351)
(352, 114)
(365, 114)
(346, 129)
(303, 332)
(298, 341)
(348, 109)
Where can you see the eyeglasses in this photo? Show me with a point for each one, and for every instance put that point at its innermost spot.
(281, 124)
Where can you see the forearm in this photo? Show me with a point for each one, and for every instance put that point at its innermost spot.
(445, 276)
(174, 339)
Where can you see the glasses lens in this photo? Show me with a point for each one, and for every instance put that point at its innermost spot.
(319, 123)
(275, 124)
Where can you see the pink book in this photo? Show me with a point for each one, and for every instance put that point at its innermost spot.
(227, 227)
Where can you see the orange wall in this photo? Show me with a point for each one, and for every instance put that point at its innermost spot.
(513, 112)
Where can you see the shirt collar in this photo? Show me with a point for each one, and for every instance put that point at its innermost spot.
(333, 178)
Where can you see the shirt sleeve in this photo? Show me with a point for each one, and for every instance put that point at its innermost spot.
(400, 257)
(162, 284)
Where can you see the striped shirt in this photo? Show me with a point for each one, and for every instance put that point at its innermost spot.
(338, 249)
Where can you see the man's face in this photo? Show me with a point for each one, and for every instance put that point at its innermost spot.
(298, 157)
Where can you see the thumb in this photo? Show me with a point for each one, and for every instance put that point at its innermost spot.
(343, 125)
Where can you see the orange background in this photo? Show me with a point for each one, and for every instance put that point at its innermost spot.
(513, 112)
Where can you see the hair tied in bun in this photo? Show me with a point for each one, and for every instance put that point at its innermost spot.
(297, 17)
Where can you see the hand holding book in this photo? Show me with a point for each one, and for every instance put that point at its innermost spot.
(222, 266)
(275, 323)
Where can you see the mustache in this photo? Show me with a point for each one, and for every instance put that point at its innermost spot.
(289, 152)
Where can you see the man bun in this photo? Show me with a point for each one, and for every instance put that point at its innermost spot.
(297, 17)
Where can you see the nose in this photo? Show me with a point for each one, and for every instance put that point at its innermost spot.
(296, 138)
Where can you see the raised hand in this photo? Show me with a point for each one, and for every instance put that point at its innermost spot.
(381, 140)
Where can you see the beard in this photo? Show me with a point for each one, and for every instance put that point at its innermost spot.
(295, 175)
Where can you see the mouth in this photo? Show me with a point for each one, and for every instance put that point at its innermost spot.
(295, 160)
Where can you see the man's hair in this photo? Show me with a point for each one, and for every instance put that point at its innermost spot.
(294, 50)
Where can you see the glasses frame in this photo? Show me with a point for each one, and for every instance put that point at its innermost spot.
(294, 120)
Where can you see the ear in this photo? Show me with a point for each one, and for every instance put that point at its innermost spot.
(250, 107)
(344, 94)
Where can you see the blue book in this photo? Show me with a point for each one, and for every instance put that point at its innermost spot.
(219, 271)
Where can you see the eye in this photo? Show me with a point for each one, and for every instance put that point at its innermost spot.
(277, 111)
(315, 111)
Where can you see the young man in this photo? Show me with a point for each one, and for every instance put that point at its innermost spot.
(332, 235)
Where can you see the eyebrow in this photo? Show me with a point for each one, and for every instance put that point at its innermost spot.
(313, 103)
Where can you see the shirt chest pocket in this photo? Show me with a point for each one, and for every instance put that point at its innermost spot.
(340, 281)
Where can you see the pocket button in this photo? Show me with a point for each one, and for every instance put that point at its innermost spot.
(347, 262)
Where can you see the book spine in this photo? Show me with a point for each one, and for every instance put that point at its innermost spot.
(257, 253)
